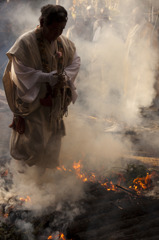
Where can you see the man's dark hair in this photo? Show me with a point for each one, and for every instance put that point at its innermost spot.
(52, 13)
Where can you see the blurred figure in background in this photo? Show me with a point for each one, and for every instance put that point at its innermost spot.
(89, 21)
(142, 48)
(101, 24)
(140, 29)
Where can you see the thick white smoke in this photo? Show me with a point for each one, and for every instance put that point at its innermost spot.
(112, 88)
(114, 83)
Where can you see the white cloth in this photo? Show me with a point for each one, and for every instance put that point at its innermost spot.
(27, 79)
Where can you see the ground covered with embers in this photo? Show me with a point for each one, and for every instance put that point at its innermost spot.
(104, 212)
(118, 214)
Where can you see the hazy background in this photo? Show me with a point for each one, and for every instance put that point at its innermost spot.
(112, 89)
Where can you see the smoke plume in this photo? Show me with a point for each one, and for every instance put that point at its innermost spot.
(113, 86)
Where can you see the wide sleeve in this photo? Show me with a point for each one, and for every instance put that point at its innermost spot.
(28, 80)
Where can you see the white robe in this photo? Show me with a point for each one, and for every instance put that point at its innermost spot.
(25, 84)
(26, 79)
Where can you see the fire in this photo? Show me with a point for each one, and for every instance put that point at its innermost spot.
(77, 166)
(27, 199)
(142, 183)
(92, 177)
(50, 237)
(62, 236)
(109, 186)
(59, 236)
(139, 184)
(61, 168)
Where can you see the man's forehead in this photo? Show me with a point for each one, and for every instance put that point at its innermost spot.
(58, 24)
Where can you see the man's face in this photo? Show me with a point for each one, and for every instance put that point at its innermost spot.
(53, 31)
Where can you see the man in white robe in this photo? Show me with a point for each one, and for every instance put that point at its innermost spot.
(43, 65)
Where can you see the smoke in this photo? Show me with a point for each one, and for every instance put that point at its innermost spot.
(100, 86)
(117, 85)
(24, 16)
(30, 195)
(113, 85)
(25, 227)
(155, 3)
(115, 82)
(51, 189)
(87, 141)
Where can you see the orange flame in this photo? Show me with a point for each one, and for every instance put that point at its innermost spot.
(60, 236)
(142, 183)
(92, 177)
(77, 166)
(61, 168)
(109, 186)
(27, 199)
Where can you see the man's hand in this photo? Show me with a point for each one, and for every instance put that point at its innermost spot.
(54, 80)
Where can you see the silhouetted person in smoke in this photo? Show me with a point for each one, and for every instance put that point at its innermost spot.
(142, 38)
(89, 21)
(101, 24)
(140, 29)
(39, 86)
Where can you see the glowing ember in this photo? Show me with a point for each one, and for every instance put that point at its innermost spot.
(27, 199)
(62, 236)
(59, 236)
(61, 168)
(142, 183)
(109, 186)
(92, 177)
(77, 166)
(138, 183)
